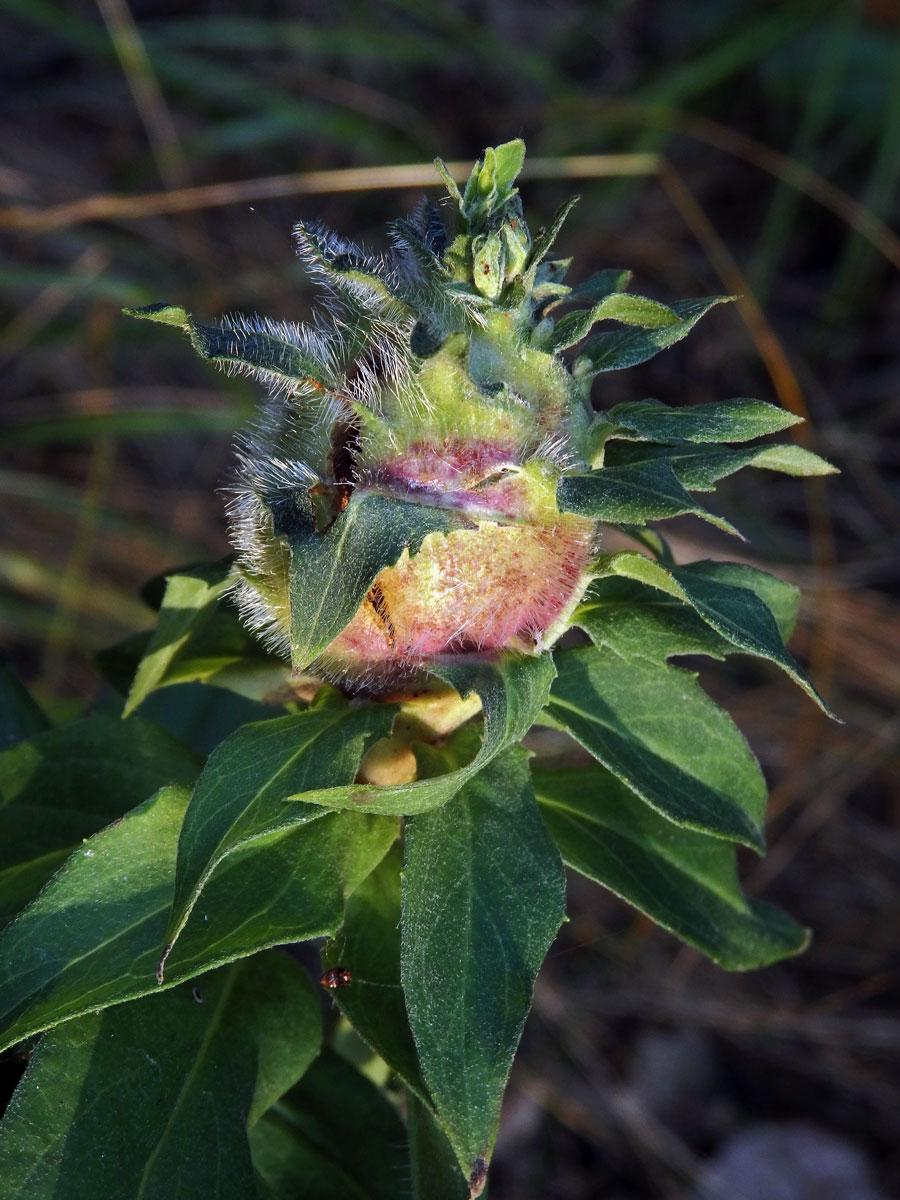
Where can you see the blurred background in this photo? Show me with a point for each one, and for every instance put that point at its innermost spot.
(148, 155)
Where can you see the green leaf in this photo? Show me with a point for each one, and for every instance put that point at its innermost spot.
(637, 621)
(508, 161)
(780, 598)
(332, 572)
(62, 785)
(595, 287)
(203, 716)
(199, 638)
(239, 797)
(93, 936)
(367, 283)
(189, 601)
(449, 182)
(657, 732)
(435, 1171)
(483, 897)
(701, 467)
(627, 348)
(20, 716)
(633, 494)
(152, 1099)
(332, 1137)
(685, 881)
(619, 306)
(736, 613)
(275, 352)
(513, 690)
(793, 460)
(544, 239)
(368, 946)
(729, 421)
(218, 650)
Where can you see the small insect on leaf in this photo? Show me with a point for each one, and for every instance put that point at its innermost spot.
(336, 977)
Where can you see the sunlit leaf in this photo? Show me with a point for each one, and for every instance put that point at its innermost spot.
(269, 350)
(633, 493)
(656, 731)
(628, 347)
(189, 602)
(239, 797)
(618, 306)
(736, 613)
(154, 1098)
(94, 935)
(594, 288)
(64, 784)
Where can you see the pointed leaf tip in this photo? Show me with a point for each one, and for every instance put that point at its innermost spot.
(793, 460)
(163, 313)
(441, 167)
(685, 881)
(629, 347)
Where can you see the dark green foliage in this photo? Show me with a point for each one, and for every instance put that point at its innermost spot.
(167, 1036)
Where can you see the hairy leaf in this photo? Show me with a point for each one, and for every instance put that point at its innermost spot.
(736, 613)
(654, 729)
(274, 352)
(62, 785)
(638, 621)
(508, 160)
(154, 1098)
(618, 306)
(368, 946)
(93, 936)
(483, 897)
(331, 572)
(685, 881)
(544, 239)
(628, 347)
(780, 598)
(728, 421)
(700, 467)
(239, 797)
(595, 287)
(793, 460)
(633, 493)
